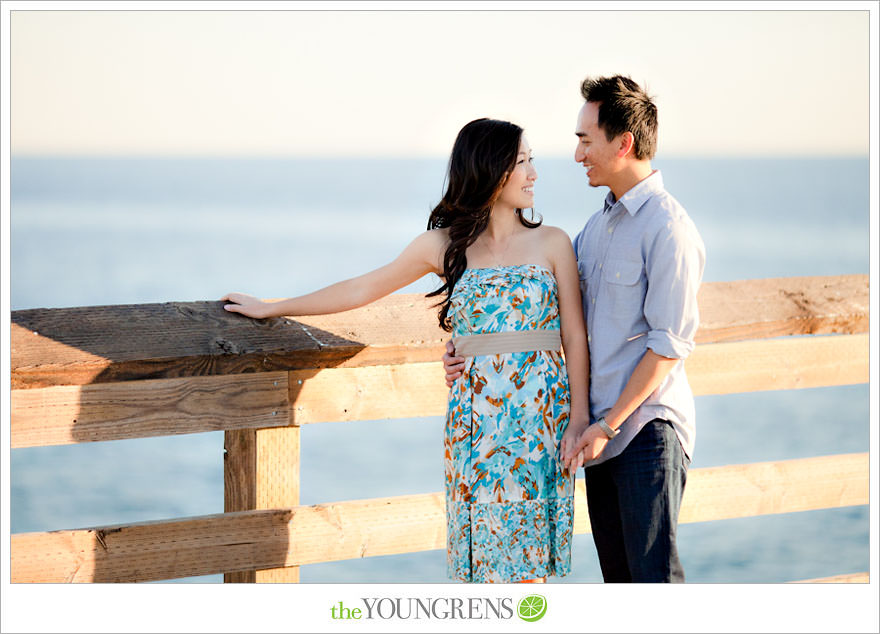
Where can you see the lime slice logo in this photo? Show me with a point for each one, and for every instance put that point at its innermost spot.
(531, 608)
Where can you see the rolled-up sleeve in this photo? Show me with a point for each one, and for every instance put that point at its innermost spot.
(674, 267)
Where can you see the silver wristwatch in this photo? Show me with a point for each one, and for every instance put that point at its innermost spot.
(611, 433)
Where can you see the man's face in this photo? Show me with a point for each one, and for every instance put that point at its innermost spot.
(594, 151)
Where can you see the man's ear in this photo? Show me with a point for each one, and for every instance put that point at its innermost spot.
(627, 143)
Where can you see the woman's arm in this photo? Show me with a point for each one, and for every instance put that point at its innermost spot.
(574, 335)
(423, 255)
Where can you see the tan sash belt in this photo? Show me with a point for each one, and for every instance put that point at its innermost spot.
(501, 342)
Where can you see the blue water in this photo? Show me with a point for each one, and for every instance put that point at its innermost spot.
(116, 231)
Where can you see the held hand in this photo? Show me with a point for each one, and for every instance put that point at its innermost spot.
(568, 446)
(247, 305)
(576, 461)
(590, 444)
(451, 364)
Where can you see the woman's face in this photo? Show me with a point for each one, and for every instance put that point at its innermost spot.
(518, 191)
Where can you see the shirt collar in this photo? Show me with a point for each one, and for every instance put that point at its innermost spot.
(633, 200)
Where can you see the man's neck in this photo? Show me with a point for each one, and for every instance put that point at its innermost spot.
(629, 177)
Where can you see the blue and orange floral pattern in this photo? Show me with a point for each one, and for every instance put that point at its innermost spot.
(509, 501)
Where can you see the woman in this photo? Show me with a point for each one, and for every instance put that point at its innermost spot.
(511, 296)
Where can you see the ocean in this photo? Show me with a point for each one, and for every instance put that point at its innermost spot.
(96, 231)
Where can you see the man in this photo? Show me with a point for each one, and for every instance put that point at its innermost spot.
(640, 262)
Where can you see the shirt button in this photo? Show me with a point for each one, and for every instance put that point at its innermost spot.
(610, 230)
(617, 275)
(600, 266)
(594, 300)
(589, 338)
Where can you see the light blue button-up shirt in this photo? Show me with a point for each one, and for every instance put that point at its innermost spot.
(640, 262)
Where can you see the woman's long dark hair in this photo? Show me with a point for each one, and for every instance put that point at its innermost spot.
(482, 158)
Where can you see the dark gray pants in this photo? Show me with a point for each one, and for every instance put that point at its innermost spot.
(633, 500)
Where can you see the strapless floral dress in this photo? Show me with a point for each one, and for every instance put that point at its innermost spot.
(509, 501)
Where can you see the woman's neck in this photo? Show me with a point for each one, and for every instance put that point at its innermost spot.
(502, 223)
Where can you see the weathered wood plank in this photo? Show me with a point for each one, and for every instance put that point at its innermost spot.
(204, 545)
(785, 486)
(418, 389)
(70, 414)
(239, 484)
(369, 393)
(261, 471)
(777, 307)
(76, 346)
(278, 485)
(778, 364)
(159, 407)
(384, 526)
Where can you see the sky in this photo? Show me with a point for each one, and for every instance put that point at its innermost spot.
(403, 82)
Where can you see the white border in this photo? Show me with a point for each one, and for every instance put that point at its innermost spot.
(577, 607)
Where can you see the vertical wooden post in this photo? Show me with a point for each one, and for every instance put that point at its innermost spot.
(261, 471)
(278, 484)
(239, 480)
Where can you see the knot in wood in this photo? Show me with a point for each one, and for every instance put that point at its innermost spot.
(224, 345)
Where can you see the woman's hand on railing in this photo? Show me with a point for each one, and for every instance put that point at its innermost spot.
(247, 305)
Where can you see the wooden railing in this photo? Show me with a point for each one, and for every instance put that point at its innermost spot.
(113, 372)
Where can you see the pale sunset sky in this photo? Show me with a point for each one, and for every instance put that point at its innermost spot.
(116, 80)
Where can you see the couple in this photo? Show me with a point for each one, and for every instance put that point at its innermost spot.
(521, 420)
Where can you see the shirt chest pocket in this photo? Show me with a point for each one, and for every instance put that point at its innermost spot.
(585, 270)
(624, 281)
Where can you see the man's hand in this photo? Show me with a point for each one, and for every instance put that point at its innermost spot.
(451, 364)
(587, 447)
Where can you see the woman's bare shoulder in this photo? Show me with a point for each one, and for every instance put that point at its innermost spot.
(554, 236)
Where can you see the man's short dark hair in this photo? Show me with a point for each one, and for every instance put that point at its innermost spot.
(624, 107)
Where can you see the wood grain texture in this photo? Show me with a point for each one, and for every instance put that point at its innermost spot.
(261, 471)
(71, 414)
(277, 485)
(418, 389)
(159, 407)
(364, 528)
(778, 307)
(778, 364)
(77, 346)
(239, 484)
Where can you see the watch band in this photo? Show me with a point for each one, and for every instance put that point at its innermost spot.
(611, 433)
